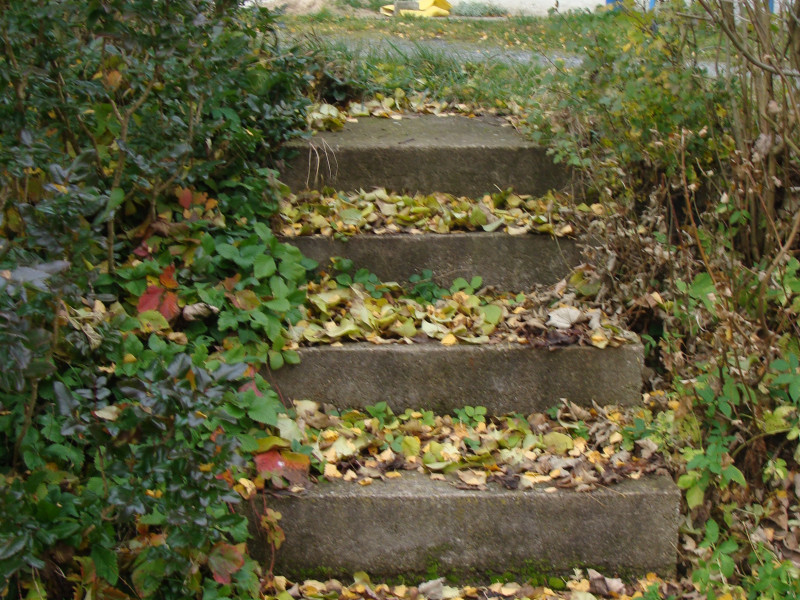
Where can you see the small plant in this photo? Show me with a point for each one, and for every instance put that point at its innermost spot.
(471, 415)
(424, 288)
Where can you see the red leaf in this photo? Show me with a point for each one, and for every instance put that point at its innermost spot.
(251, 385)
(229, 282)
(184, 197)
(291, 465)
(169, 307)
(224, 560)
(143, 250)
(167, 278)
(151, 299)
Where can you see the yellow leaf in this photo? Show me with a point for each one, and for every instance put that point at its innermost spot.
(331, 472)
(449, 340)
(248, 488)
(599, 339)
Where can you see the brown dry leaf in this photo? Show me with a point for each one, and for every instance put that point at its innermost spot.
(472, 477)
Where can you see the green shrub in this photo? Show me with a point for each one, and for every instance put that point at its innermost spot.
(133, 182)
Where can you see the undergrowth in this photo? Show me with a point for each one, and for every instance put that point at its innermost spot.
(141, 292)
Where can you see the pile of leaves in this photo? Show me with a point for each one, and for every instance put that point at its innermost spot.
(581, 585)
(359, 307)
(571, 447)
(379, 212)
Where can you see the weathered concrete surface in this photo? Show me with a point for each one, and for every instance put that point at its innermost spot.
(426, 153)
(504, 378)
(511, 263)
(405, 526)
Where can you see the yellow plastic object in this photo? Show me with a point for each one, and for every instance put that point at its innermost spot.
(427, 8)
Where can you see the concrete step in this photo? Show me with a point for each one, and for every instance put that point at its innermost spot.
(424, 153)
(510, 263)
(416, 526)
(505, 378)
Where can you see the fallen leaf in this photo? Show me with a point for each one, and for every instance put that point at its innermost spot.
(472, 477)
(557, 442)
(564, 317)
(449, 340)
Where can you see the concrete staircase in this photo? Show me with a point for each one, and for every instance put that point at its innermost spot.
(414, 525)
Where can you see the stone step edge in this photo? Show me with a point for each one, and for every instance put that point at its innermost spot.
(412, 524)
(508, 262)
(456, 155)
(505, 378)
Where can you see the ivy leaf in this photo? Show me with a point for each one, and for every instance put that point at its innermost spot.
(225, 560)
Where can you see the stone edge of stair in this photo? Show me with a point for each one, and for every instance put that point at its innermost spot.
(505, 378)
(510, 263)
(406, 525)
(447, 164)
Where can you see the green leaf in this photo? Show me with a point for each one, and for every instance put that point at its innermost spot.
(263, 266)
(291, 357)
(264, 409)
(115, 200)
(275, 360)
(148, 574)
(278, 304)
(227, 320)
(105, 563)
(351, 216)
(152, 320)
(491, 313)
(227, 251)
(694, 496)
(731, 473)
(712, 534)
(291, 270)
(687, 480)
(264, 232)
(726, 566)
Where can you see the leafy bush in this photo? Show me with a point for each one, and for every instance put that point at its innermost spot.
(135, 135)
(623, 111)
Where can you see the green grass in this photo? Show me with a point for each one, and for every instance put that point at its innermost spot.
(418, 68)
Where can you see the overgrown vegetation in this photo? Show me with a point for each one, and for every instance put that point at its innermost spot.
(134, 207)
(142, 286)
(703, 169)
